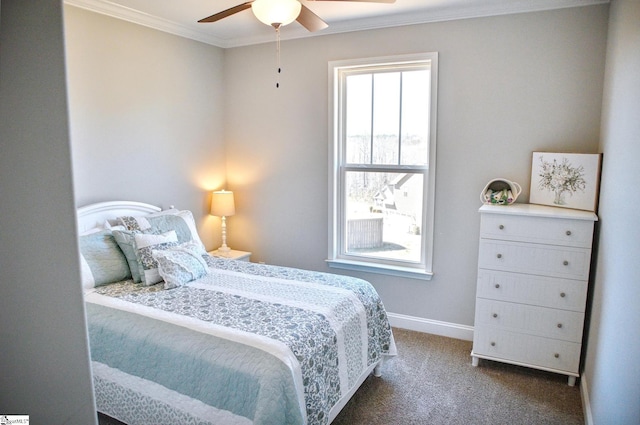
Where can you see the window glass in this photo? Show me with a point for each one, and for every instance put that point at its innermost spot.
(415, 117)
(358, 119)
(384, 215)
(386, 118)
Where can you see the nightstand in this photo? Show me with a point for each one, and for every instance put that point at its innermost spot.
(232, 255)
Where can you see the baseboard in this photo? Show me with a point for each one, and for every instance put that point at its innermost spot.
(586, 404)
(436, 327)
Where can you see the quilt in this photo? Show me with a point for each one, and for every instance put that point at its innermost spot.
(247, 343)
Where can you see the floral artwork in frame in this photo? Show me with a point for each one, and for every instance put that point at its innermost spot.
(567, 180)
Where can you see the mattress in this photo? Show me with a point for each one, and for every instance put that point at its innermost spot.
(247, 343)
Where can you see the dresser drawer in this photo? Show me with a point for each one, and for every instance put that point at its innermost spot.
(565, 294)
(544, 260)
(527, 349)
(553, 231)
(541, 321)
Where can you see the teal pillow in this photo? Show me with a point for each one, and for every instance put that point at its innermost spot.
(167, 223)
(103, 261)
(182, 222)
(125, 241)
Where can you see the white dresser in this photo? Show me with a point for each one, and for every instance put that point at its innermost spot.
(533, 272)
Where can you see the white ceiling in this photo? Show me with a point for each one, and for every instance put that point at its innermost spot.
(180, 16)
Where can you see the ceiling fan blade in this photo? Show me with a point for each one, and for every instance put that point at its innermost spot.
(363, 1)
(231, 11)
(310, 20)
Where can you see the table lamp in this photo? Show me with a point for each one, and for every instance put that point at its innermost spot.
(222, 205)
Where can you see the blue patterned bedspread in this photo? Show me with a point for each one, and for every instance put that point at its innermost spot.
(266, 344)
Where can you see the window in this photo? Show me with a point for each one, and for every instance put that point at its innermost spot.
(382, 164)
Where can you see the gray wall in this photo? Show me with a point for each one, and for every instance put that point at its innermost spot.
(508, 86)
(146, 113)
(44, 359)
(612, 372)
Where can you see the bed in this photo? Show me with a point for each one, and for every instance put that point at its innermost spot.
(180, 337)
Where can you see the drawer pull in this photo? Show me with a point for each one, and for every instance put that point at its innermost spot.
(559, 325)
(501, 227)
(499, 255)
(568, 232)
(497, 285)
(493, 344)
(565, 262)
(556, 355)
(562, 295)
(495, 315)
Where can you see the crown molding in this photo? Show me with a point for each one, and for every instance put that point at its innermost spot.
(117, 11)
(441, 14)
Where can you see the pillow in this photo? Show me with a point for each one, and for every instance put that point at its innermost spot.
(125, 241)
(181, 264)
(182, 222)
(88, 280)
(187, 216)
(140, 222)
(145, 243)
(92, 230)
(105, 226)
(112, 227)
(101, 260)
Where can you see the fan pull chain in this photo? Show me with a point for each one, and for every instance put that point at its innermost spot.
(278, 55)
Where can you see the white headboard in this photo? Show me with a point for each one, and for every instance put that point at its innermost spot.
(95, 215)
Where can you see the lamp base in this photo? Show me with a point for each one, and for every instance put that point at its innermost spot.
(224, 249)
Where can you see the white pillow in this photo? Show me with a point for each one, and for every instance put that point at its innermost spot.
(145, 244)
(105, 226)
(88, 281)
(91, 231)
(187, 216)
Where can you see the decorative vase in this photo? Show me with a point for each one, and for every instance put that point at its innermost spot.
(559, 197)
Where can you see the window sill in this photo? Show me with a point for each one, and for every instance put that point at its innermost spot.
(407, 272)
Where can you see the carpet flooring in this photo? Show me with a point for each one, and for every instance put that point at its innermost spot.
(432, 381)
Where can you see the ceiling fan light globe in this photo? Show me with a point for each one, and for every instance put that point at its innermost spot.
(272, 12)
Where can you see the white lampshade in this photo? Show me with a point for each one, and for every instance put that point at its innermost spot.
(222, 204)
(273, 12)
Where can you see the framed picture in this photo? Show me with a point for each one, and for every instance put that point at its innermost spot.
(567, 180)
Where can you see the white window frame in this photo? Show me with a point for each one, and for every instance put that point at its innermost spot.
(337, 255)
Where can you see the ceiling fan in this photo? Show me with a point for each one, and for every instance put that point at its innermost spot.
(278, 13)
